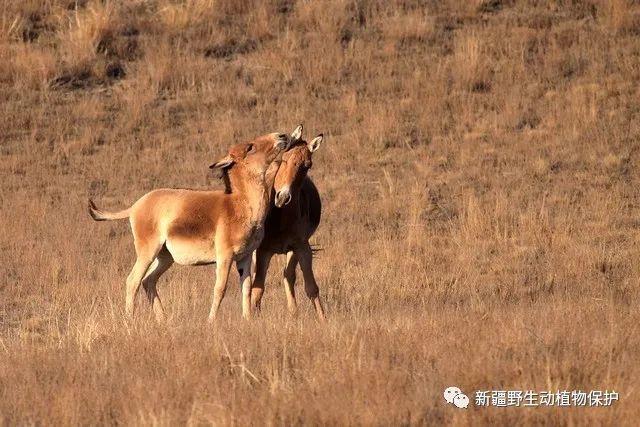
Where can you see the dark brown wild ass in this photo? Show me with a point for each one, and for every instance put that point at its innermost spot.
(290, 224)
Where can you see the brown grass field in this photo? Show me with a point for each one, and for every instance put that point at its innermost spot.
(481, 190)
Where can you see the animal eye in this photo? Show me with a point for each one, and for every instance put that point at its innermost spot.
(250, 148)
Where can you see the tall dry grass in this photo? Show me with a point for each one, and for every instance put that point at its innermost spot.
(480, 193)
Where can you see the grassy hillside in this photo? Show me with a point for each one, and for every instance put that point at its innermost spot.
(481, 198)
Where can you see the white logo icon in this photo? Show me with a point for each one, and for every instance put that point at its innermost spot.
(456, 397)
(450, 393)
(461, 401)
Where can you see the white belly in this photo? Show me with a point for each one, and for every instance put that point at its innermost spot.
(190, 253)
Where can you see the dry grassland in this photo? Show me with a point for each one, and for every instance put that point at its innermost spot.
(481, 208)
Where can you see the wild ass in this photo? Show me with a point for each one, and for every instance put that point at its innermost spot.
(194, 227)
(290, 224)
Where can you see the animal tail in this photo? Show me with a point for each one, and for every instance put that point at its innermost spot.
(99, 215)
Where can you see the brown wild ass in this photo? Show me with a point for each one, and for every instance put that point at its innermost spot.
(290, 224)
(194, 227)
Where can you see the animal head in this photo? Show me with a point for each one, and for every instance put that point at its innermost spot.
(296, 161)
(252, 157)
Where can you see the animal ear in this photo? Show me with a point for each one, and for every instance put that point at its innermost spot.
(314, 144)
(296, 134)
(223, 163)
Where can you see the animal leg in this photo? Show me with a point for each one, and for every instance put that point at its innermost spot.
(135, 277)
(223, 265)
(160, 265)
(254, 254)
(289, 281)
(244, 268)
(257, 289)
(305, 256)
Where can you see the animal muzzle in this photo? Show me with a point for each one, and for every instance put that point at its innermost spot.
(283, 197)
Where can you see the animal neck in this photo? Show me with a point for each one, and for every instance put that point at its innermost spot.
(253, 190)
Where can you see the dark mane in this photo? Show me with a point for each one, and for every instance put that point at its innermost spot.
(224, 177)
